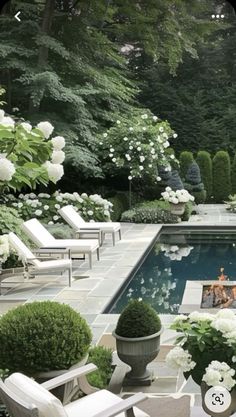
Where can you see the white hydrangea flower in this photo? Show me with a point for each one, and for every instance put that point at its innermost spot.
(180, 318)
(226, 313)
(106, 213)
(46, 128)
(155, 118)
(84, 195)
(26, 126)
(58, 157)
(57, 206)
(90, 212)
(38, 212)
(195, 316)
(144, 116)
(125, 139)
(180, 358)
(55, 218)
(158, 178)
(131, 129)
(175, 135)
(130, 177)
(7, 122)
(224, 325)
(55, 171)
(161, 129)
(58, 143)
(219, 373)
(7, 169)
(46, 207)
(113, 159)
(105, 135)
(2, 114)
(142, 158)
(118, 122)
(50, 223)
(141, 168)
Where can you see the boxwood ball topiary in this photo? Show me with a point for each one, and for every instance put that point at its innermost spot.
(42, 336)
(138, 319)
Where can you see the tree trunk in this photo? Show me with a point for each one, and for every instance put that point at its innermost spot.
(43, 50)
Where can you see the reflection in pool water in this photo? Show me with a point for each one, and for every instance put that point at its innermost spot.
(172, 261)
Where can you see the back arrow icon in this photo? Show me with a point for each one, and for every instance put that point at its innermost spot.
(17, 16)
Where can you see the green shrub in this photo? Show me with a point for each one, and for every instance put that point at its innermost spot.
(185, 160)
(102, 358)
(205, 164)
(42, 336)
(147, 214)
(221, 176)
(188, 211)
(117, 209)
(61, 231)
(233, 175)
(9, 220)
(194, 183)
(138, 319)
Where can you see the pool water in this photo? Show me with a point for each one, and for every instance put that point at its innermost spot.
(175, 259)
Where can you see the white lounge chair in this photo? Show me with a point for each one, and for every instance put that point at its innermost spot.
(24, 397)
(43, 239)
(35, 265)
(73, 218)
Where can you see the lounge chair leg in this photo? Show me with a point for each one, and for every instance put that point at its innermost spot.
(120, 234)
(70, 275)
(100, 238)
(90, 260)
(98, 254)
(103, 237)
(113, 238)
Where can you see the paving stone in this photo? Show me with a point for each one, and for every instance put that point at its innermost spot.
(107, 288)
(72, 295)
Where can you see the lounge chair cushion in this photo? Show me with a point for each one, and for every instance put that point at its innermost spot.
(33, 393)
(95, 403)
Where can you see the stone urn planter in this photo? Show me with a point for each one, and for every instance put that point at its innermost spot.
(177, 209)
(137, 337)
(138, 353)
(229, 412)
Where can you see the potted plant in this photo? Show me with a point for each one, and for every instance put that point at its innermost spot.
(177, 199)
(206, 350)
(43, 340)
(137, 337)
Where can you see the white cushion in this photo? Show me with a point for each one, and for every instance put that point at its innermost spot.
(95, 403)
(33, 393)
(77, 244)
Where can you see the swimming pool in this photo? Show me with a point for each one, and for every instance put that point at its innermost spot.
(175, 258)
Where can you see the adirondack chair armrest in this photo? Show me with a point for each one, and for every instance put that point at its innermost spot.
(123, 406)
(69, 376)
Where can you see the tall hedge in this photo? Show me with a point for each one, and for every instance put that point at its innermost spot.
(205, 164)
(185, 159)
(233, 175)
(221, 176)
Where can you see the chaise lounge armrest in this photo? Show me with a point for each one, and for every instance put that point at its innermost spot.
(69, 376)
(124, 405)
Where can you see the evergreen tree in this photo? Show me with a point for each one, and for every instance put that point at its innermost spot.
(194, 183)
(221, 176)
(233, 175)
(175, 182)
(186, 159)
(205, 165)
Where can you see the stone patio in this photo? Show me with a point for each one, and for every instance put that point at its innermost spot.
(93, 290)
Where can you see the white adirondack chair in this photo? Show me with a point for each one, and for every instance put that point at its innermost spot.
(24, 397)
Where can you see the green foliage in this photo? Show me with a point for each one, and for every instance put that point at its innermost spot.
(221, 176)
(187, 211)
(61, 231)
(194, 183)
(175, 182)
(131, 145)
(117, 209)
(233, 174)
(150, 212)
(138, 319)
(10, 220)
(42, 336)
(185, 160)
(102, 358)
(205, 164)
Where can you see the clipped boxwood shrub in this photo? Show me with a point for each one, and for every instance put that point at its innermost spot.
(188, 211)
(205, 164)
(138, 319)
(185, 160)
(42, 336)
(147, 214)
(102, 358)
(221, 176)
(117, 209)
(233, 175)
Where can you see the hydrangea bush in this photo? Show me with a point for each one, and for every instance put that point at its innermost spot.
(175, 252)
(138, 145)
(45, 206)
(176, 197)
(204, 338)
(4, 248)
(27, 155)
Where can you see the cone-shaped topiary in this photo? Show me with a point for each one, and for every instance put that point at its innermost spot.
(175, 182)
(221, 176)
(138, 319)
(42, 336)
(185, 160)
(205, 165)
